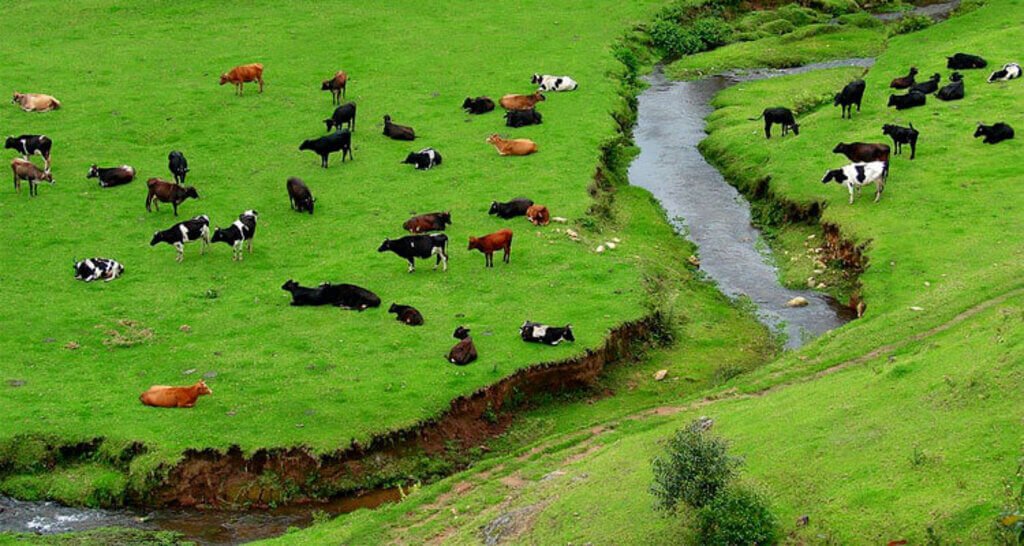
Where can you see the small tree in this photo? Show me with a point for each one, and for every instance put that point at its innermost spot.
(737, 515)
(694, 467)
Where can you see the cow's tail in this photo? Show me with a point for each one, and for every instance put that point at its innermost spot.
(757, 118)
(885, 170)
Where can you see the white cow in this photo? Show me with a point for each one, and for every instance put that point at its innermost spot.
(554, 83)
(856, 175)
(1009, 72)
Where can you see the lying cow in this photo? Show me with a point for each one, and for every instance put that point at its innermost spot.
(522, 118)
(95, 269)
(342, 115)
(534, 332)
(112, 176)
(406, 314)
(479, 105)
(964, 61)
(327, 145)
(862, 151)
(928, 86)
(489, 244)
(994, 134)
(239, 233)
(345, 296)
(464, 351)
(902, 135)
(163, 396)
(29, 145)
(35, 102)
(434, 221)
(26, 170)
(427, 158)
(538, 215)
(411, 247)
(196, 229)
(336, 86)
(299, 196)
(162, 191)
(516, 207)
(905, 82)
(852, 94)
(512, 146)
(857, 175)
(243, 74)
(1010, 71)
(178, 165)
(954, 90)
(521, 102)
(910, 100)
(546, 82)
(782, 116)
(395, 131)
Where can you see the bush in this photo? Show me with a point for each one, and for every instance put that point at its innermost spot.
(751, 36)
(778, 26)
(834, 7)
(799, 15)
(809, 31)
(860, 19)
(693, 469)
(910, 23)
(737, 515)
(672, 41)
(711, 31)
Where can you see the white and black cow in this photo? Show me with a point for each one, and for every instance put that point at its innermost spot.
(535, 332)
(546, 82)
(857, 175)
(98, 268)
(112, 176)
(28, 145)
(196, 229)
(1010, 71)
(238, 233)
(427, 158)
(411, 247)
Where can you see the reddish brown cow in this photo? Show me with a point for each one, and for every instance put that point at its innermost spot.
(521, 102)
(162, 191)
(240, 75)
(435, 221)
(512, 146)
(26, 170)
(489, 243)
(336, 86)
(538, 214)
(163, 396)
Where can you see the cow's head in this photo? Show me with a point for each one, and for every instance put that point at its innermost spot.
(17, 97)
(982, 130)
(326, 85)
(913, 71)
(115, 270)
(835, 174)
(493, 139)
(223, 79)
(445, 217)
(892, 100)
(795, 127)
(387, 119)
(289, 285)
(461, 333)
(219, 235)
(411, 159)
(494, 208)
(536, 78)
(190, 191)
(156, 239)
(841, 148)
(539, 96)
(308, 144)
(956, 77)
(250, 212)
(385, 246)
(835, 100)
(94, 172)
(567, 334)
(202, 389)
(473, 243)
(393, 308)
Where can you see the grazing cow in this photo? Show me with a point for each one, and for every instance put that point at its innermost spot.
(35, 102)
(162, 396)
(406, 314)
(522, 118)
(196, 229)
(26, 170)
(994, 134)
(464, 351)
(905, 82)
(397, 132)
(901, 136)
(349, 296)
(435, 221)
(479, 105)
(1010, 71)
(411, 247)
(488, 244)
(954, 90)
(94, 269)
(299, 196)
(238, 233)
(554, 83)
(326, 145)
(963, 61)
(863, 152)
(512, 146)
(336, 86)
(424, 159)
(343, 115)
(856, 175)
(910, 100)
(243, 74)
(112, 176)
(29, 145)
(782, 116)
(928, 86)
(534, 332)
(521, 102)
(162, 191)
(178, 166)
(516, 207)
(538, 215)
(850, 95)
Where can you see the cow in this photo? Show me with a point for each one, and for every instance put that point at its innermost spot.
(1010, 71)
(464, 351)
(516, 207)
(427, 158)
(521, 102)
(299, 197)
(902, 135)
(411, 247)
(434, 221)
(112, 176)
(406, 314)
(534, 332)
(928, 86)
(538, 215)
(239, 233)
(905, 82)
(349, 296)
(35, 102)
(29, 145)
(196, 229)
(964, 61)
(94, 269)
(863, 152)
(479, 105)
(326, 145)
(342, 115)
(954, 90)
(856, 175)
(782, 116)
(512, 146)
(554, 83)
(910, 100)
(488, 244)
(397, 132)
(162, 191)
(852, 94)
(522, 118)
(243, 74)
(994, 134)
(336, 86)
(178, 165)
(26, 170)
(302, 296)
(163, 396)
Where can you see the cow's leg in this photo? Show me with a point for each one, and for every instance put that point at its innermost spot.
(508, 252)
(767, 129)
(880, 187)
(913, 148)
(250, 245)
(261, 84)
(412, 264)
(17, 186)
(175, 205)
(181, 251)
(850, 187)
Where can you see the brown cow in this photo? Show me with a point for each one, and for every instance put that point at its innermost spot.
(464, 351)
(35, 102)
(336, 86)
(538, 214)
(243, 74)
(905, 82)
(513, 146)
(162, 191)
(163, 396)
(435, 221)
(521, 102)
(863, 151)
(489, 243)
(26, 170)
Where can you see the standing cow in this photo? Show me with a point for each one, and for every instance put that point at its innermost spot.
(238, 234)
(29, 145)
(241, 75)
(411, 247)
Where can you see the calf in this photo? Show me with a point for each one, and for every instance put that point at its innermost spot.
(479, 105)
(954, 90)
(994, 134)
(928, 86)
(963, 61)
(521, 102)
(516, 207)
(35, 102)
(299, 196)
(349, 296)
(29, 145)
(464, 351)
(488, 244)
(98, 268)
(336, 86)
(782, 116)
(910, 100)
(162, 396)
(852, 94)
(411, 247)
(905, 82)
(1010, 71)
(406, 314)
(196, 229)
(238, 233)
(162, 191)
(554, 83)
(901, 136)
(512, 146)
(534, 332)
(243, 74)
(178, 165)
(424, 159)
(856, 175)
(326, 145)
(26, 170)
(112, 176)
(863, 152)
(522, 118)
(538, 215)
(397, 132)
(343, 115)
(435, 221)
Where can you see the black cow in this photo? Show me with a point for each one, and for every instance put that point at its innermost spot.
(98, 268)
(302, 296)
(178, 165)
(395, 131)
(534, 332)
(511, 209)
(411, 247)
(424, 159)
(238, 233)
(901, 136)
(299, 195)
(349, 296)
(344, 114)
(326, 145)
(28, 145)
(196, 229)
(406, 314)
(479, 105)
(994, 134)
(954, 90)
(464, 351)
(910, 100)
(963, 61)
(782, 116)
(928, 86)
(850, 95)
(113, 176)
(522, 118)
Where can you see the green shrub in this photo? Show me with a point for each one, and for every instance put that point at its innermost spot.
(910, 23)
(672, 41)
(967, 6)
(750, 36)
(694, 467)
(736, 516)
(810, 30)
(834, 7)
(711, 31)
(778, 26)
(860, 19)
(799, 15)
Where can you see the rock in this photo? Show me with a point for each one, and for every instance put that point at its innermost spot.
(210, 375)
(572, 234)
(599, 249)
(559, 219)
(660, 374)
(811, 236)
(704, 423)
(610, 245)
(916, 308)
(185, 328)
(798, 301)
(821, 286)
(189, 371)
(15, 382)
(694, 261)
(50, 340)
(71, 346)
(926, 283)
(616, 240)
